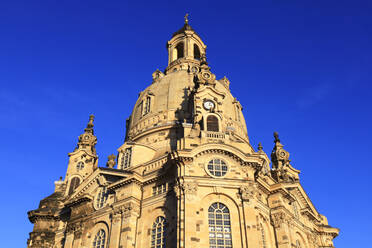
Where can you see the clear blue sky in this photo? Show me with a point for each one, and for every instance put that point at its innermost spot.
(302, 68)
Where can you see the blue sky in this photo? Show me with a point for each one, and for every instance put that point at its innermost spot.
(302, 68)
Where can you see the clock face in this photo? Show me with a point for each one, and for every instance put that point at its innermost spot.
(208, 105)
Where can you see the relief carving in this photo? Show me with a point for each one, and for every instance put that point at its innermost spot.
(190, 189)
(247, 192)
(278, 219)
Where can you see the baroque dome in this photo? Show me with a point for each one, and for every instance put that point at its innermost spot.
(176, 100)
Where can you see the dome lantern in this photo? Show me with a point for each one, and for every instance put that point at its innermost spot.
(185, 48)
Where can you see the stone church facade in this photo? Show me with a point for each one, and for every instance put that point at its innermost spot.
(186, 175)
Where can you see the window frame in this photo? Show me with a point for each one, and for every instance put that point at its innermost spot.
(102, 244)
(224, 164)
(216, 124)
(126, 158)
(101, 198)
(222, 231)
(156, 236)
(73, 183)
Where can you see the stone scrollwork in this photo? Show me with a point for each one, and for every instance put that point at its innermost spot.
(131, 209)
(75, 228)
(312, 238)
(178, 188)
(126, 210)
(247, 192)
(101, 180)
(190, 189)
(278, 219)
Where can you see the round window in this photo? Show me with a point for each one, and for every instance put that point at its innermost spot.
(217, 167)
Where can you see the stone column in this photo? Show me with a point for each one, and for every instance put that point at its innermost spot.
(247, 193)
(117, 218)
(129, 225)
(282, 230)
(69, 239)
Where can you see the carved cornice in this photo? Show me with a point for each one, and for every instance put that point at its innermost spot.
(126, 210)
(77, 201)
(252, 164)
(124, 182)
(75, 227)
(283, 192)
(35, 215)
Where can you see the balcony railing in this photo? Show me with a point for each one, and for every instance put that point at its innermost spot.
(213, 135)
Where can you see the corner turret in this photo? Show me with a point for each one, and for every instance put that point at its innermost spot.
(83, 160)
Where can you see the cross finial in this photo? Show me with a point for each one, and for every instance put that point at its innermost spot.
(186, 18)
(91, 119)
(276, 136)
(260, 146)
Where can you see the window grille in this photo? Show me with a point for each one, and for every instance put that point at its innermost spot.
(101, 197)
(217, 167)
(158, 233)
(212, 123)
(100, 239)
(219, 226)
(80, 165)
(126, 158)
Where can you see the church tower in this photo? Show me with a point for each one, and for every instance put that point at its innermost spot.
(186, 175)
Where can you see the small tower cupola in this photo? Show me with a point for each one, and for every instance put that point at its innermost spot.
(83, 160)
(185, 49)
(87, 140)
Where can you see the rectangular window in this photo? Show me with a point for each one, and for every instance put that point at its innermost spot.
(147, 105)
(237, 113)
(159, 189)
(140, 108)
(126, 158)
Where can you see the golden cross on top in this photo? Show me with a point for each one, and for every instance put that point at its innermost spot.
(186, 20)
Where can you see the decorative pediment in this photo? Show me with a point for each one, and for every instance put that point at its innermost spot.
(307, 207)
(208, 90)
(101, 177)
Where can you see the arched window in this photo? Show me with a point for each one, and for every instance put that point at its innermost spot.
(158, 233)
(100, 239)
(263, 237)
(196, 52)
(73, 185)
(212, 123)
(101, 197)
(219, 226)
(180, 49)
(80, 165)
